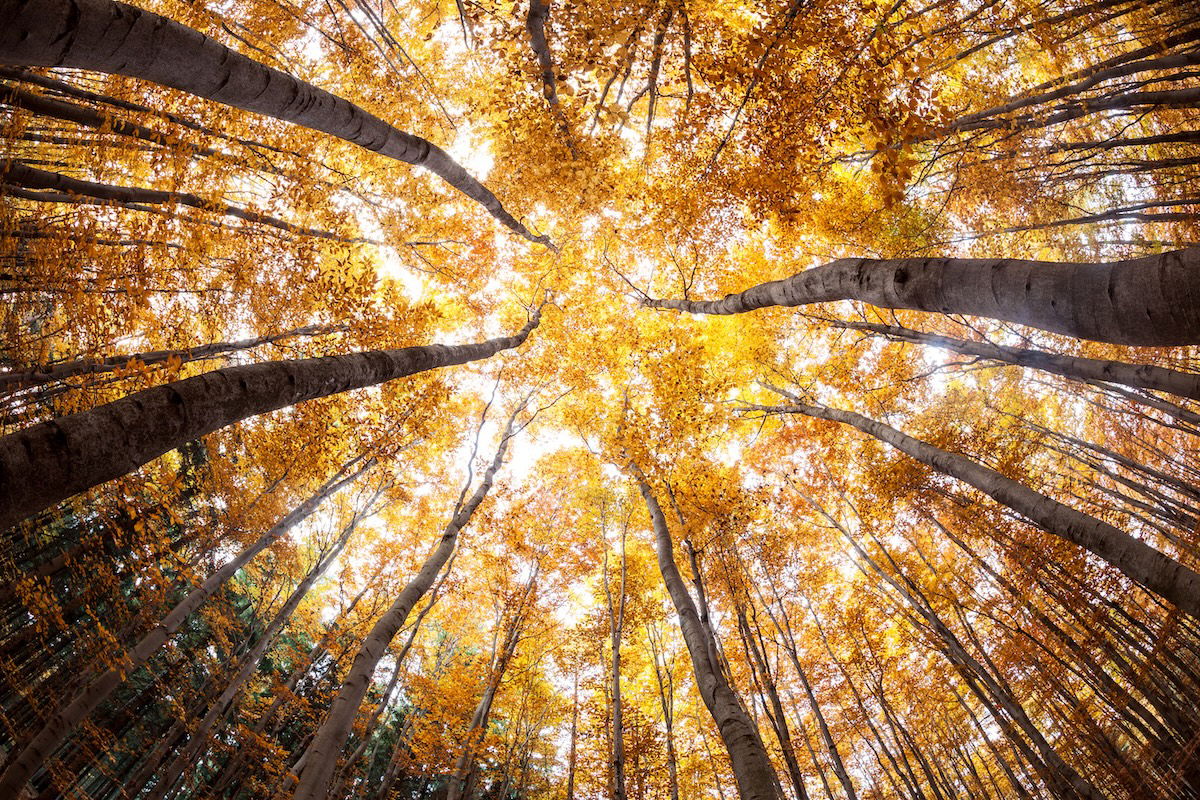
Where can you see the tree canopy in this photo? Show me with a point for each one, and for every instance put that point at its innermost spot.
(638, 399)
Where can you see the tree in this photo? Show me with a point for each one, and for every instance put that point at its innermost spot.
(76, 452)
(925, 522)
(97, 34)
(1148, 301)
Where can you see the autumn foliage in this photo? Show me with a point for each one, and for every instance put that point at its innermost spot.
(638, 400)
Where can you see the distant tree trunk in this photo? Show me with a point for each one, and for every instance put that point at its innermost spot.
(321, 756)
(1151, 301)
(1062, 779)
(616, 616)
(12, 381)
(117, 38)
(63, 722)
(250, 662)
(65, 189)
(571, 754)
(389, 691)
(752, 768)
(48, 462)
(757, 656)
(1141, 376)
(1137, 560)
(666, 697)
(463, 775)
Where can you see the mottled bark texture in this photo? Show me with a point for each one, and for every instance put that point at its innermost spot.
(321, 757)
(1150, 301)
(113, 37)
(1137, 560)
(756, 779)
(68, 716)
(48, 462)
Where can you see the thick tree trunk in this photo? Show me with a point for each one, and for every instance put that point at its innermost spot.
(752, 768)
(535, 24)
(1141, 376)
(321, 756)
(63, 722)
(48, 462)
(1138, 561)
(117, 38)
(1150, 301)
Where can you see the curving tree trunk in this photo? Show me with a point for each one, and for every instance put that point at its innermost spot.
(321, 756)
(113, 37)
(1152, 301)
(1137, 560)
(68, 717)
(752, 768)
(48, 462)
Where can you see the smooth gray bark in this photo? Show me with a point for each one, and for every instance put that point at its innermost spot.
(1137, 560)
(1152, 301)
(113, 37)
(535, 24)
(48, 462)
(752, 768)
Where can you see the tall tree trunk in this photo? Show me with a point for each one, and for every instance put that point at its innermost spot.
(571, 753)
(1151, 301)
(322, 753)
(48, 462)
(752, 768)
(117, 38)
(463, 774)
(63, 722)
(1141, 376)
(12, 381)
(666, 697)
(63, 188)
(616, 617)
(250, 662)
(1138, 561)
(791, 648)
(756, 653)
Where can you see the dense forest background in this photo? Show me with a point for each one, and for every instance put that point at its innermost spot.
(412, 399)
